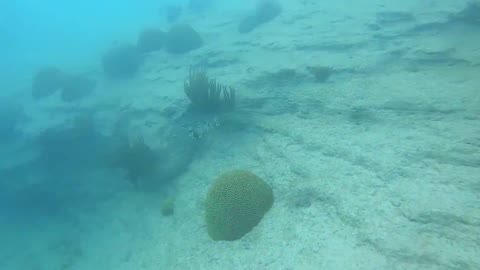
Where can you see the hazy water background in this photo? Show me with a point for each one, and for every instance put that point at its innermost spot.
(59, 215)
(71, 34)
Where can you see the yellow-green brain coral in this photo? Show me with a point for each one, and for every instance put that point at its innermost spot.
(236, 202)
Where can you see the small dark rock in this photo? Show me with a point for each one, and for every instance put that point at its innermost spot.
(168, 207)
(303, 198)
(321, 74)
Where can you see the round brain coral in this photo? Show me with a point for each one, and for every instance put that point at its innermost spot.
(236, 202)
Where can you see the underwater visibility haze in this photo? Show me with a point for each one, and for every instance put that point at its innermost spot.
(259, 134)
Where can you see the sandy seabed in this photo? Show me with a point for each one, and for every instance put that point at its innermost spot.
(378, 167)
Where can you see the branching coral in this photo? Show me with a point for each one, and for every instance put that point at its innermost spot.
(206, 94)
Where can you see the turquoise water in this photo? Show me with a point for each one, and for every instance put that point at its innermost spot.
(119, 119)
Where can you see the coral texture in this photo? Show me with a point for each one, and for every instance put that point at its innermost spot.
(236, 203)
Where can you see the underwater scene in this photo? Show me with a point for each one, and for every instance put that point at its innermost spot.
(255, 134)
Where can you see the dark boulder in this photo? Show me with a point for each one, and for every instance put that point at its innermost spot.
(47, 81)
(263, 13)
(151, 39)
(121, 62)
(182, 38)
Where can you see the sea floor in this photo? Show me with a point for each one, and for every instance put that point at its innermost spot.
(375, 166)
